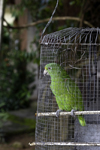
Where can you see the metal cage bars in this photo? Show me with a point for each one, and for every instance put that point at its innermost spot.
(66, 143)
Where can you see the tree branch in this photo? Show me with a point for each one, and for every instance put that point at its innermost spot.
(45, 20)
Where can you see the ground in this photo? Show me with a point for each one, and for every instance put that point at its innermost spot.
(18, 142)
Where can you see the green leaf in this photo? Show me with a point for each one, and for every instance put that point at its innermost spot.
(72, 2)
(2, 104)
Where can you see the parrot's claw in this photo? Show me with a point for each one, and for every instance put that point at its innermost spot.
(72, 113)
(58, 112)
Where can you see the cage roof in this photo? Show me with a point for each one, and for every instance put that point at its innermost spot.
(71, 35)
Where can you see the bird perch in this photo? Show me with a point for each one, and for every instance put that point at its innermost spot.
(68, 113)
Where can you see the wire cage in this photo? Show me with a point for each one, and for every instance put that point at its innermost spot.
(77, 51)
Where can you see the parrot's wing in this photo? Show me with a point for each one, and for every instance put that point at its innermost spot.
(73, 89)
(64, 102)
(75, 95)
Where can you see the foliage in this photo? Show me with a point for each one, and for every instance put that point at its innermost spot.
(22, 121)
(77, 2)
(87, 9)
(3, 114)
(14, 76)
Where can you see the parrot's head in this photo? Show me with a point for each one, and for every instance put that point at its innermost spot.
(52, 69)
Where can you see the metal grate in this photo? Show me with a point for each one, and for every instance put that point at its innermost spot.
(77, 51)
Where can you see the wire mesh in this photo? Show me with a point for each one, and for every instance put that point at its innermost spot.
(77, 51)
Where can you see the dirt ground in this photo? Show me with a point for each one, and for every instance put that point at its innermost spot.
(18, 142)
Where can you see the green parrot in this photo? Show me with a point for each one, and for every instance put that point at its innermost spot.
(68, 95)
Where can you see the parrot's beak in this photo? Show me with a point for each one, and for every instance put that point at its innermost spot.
(45, 72)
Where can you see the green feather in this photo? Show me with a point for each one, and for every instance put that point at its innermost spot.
(67, 93)
(81, 120)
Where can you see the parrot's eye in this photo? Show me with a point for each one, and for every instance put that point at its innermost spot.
(49, 68)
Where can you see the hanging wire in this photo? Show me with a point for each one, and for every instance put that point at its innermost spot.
(50, 19)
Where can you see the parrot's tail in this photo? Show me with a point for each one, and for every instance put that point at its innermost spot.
(81, 120)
